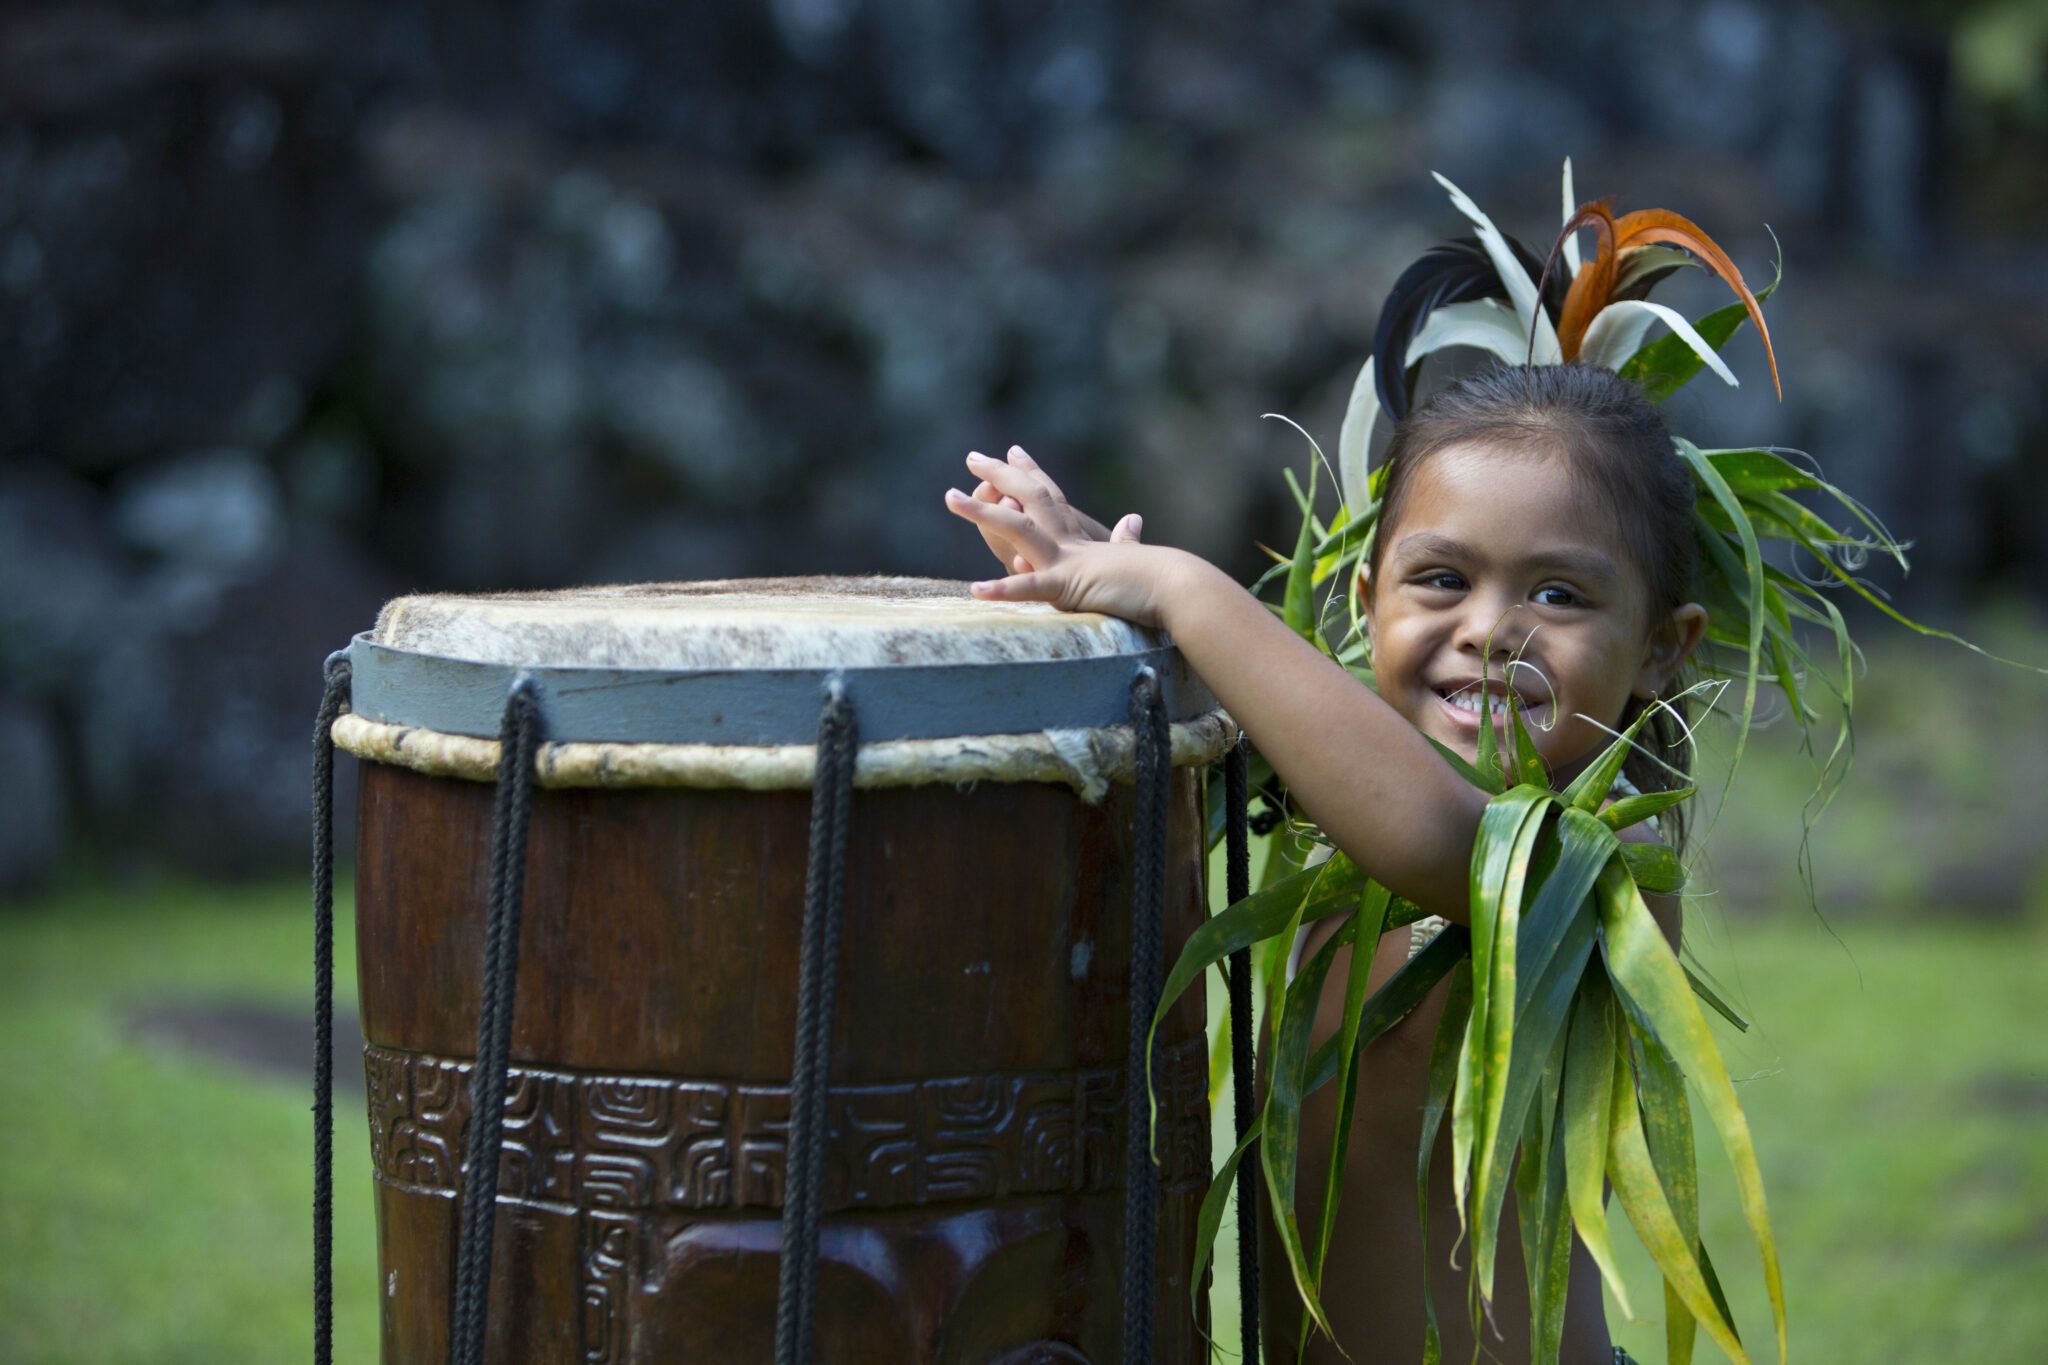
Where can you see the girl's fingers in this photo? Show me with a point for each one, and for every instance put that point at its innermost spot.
(1024, 461)
(1023, 587)
(1026, 485)
(1020, 563)
(986, 492)
(1129, 527)
(1017, 526)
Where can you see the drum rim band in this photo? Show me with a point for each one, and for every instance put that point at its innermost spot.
(1087, 760)
(765, 706)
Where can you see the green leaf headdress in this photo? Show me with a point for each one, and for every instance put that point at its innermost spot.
(1570, 1031)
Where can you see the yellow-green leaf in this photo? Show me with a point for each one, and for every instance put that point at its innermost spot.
(1650, 981)
(1588, 1090)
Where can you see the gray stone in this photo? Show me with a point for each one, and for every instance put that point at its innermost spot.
(35, 797)
(65, 577)
(219, 508)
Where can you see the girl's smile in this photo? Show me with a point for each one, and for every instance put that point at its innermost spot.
(1507, 544)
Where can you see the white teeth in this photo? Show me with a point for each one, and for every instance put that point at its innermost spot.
(1495, 704)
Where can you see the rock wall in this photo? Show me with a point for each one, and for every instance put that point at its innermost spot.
(303, 305)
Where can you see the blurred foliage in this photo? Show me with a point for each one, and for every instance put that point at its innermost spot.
(1927, 817)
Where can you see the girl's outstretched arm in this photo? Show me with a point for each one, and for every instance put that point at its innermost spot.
(1353, 763)
(1360, 771)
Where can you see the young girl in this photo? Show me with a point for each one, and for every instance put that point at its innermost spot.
(1534, 517)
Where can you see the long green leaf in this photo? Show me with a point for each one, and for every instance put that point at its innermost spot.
(1667, 1130)
(1529, 1208)
(1538, 1032)
(1633, 810)
(1651, 983)
(1484, 779)
(1331, 887)
(1721, 1007)
(1582, 847)
(1209, 1219)
(1588, 1089)
(1499, 905)
(1591, 786)
(1280, 1151)
(1760, 471)
(1527, 763)
(1663, 366)
(1372, 919)
(1299, 599)
(1642, 1198)
(1443, 1063)
(1715, 1291)
(1655, 866)
(1857, 586)
(1550, 1275)
(1500, 855)
(1753, 561)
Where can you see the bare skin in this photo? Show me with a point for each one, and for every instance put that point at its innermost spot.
(1496, 554)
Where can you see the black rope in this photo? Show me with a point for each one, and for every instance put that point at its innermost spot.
(518, 739)
(1244, 1096)
(333, 700)
(810, 1072)
(1148, 909)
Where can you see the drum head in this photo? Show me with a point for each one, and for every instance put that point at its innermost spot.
(749, 661)
(748, 623)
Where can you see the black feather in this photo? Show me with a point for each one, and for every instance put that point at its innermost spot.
(1453, 272)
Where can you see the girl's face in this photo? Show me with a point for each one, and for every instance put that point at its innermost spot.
(1504, 544)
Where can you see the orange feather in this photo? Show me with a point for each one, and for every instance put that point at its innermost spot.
(1593, 283)
(1648, 226)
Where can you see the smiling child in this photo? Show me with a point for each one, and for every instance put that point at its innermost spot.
(1535, 532)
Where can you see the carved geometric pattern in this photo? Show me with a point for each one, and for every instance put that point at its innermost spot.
(610, 1244)
(624, 1144)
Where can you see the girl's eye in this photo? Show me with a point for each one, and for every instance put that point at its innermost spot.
(1443, 579)
(1568, 597)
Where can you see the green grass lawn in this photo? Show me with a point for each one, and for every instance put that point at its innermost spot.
(154, 1205)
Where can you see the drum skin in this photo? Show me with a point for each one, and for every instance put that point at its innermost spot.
(973, 1186)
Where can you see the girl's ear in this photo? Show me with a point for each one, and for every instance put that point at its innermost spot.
(1671, 643)
(1364, 590)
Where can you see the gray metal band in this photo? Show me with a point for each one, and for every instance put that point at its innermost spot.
(769, 705)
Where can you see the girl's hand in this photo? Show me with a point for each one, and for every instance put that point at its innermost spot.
(1054, 556)
(999, 544)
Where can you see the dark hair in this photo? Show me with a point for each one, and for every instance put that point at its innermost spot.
(1617, 448)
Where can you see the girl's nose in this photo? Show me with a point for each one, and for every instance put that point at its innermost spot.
(1487, 616)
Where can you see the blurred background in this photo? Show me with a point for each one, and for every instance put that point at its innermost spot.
(303, 305)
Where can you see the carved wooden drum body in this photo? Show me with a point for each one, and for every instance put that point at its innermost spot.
(974, 1120)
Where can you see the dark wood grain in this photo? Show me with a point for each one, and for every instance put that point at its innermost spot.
(976, 1118)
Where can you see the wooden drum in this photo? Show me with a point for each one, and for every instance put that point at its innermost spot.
(974, 1121)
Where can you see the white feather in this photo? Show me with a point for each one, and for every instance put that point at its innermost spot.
(1487, 324)
(1571, 243)
(1520, 287)
(1354, 440)
(1617, 331)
